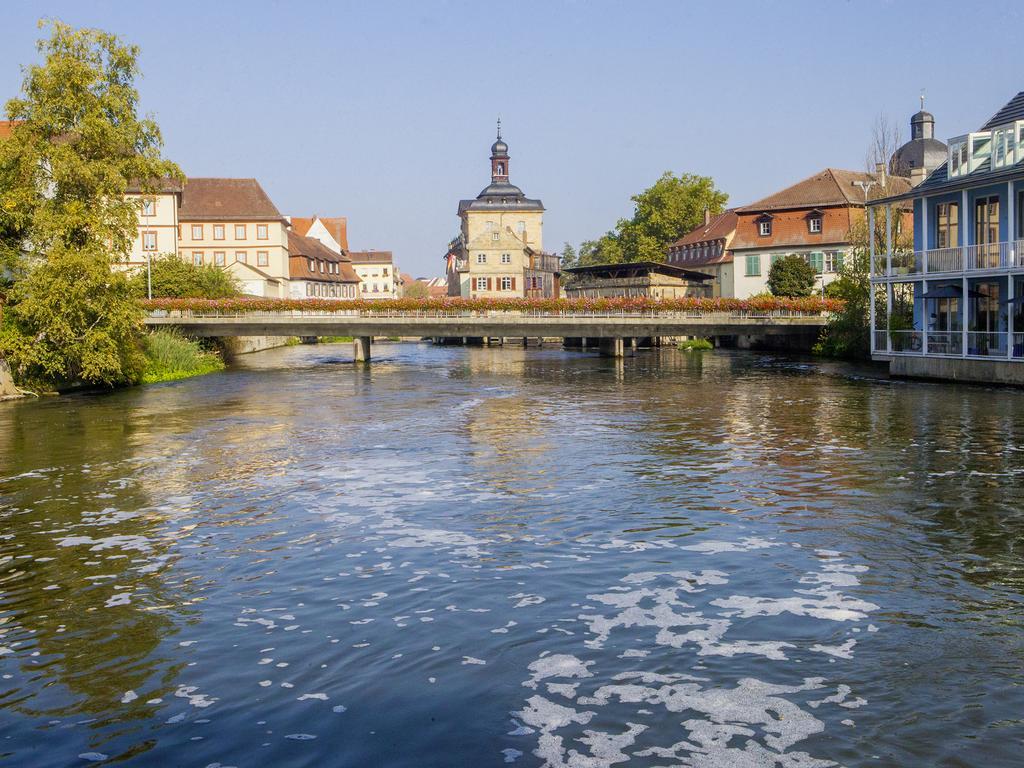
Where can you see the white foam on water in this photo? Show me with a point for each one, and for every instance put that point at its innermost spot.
(557, 665)
(471, 660)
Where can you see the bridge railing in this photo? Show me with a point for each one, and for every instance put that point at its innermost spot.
(462, 314)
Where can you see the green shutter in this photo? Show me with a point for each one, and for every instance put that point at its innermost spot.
(817, 261)
(754, 265)
(839, 261)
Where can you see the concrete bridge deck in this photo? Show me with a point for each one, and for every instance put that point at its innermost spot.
(606, 325)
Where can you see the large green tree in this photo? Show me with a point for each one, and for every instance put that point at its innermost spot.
(662, 213)
(176, 278)
(77, 144)
(791, 276)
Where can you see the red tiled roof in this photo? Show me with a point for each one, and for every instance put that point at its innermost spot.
(718, 228)
(830, 187)
(206, 199)
(336, 226)
(7, 126)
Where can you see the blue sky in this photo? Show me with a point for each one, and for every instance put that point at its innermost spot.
(384, 111)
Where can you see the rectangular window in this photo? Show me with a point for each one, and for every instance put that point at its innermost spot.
(495, 236)
(764, 228)
(148, 207)
(239, 231)
(521, 227)
(753, 266)
(385, 272)
(240, 257)
(261, 232)
(947, 225)
(816, 260)
(149, 241)
(481, 258)
(312, 265)
(309, 289)
(833, 261)
(986, 220)
(814, 223)
(218, 258)
(481, 283)
(321, 267)
(262, 259)
(218, 231)
(197, 258)
(506, 258)
(197, 231)
(506, 283)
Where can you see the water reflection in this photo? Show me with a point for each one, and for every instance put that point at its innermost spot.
(468, 556)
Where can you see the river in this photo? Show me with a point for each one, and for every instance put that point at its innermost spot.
(475, 557)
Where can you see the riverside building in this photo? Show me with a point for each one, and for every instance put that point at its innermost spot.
(498, 252)
(951, 306)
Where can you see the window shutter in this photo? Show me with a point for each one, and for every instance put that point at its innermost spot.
(513, 283)
(817, 261)
(839, 261)
(488, 283)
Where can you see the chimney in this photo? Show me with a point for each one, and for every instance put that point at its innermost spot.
(707, 215)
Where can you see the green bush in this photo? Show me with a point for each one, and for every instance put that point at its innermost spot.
(695, 344)
(175, 278)
(791, 276)
(170, 356)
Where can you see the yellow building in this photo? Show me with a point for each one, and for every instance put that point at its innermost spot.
(158, 222)
(232, 223)
(499, 250)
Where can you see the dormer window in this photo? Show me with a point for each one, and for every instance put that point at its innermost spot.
(764, 228)
(814, 222)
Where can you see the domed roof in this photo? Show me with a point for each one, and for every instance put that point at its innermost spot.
(918, 153)
(922, 117)
(499, 148)
(501, 189)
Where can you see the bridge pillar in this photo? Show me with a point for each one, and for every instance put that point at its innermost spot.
(361, 349)
(612, 347)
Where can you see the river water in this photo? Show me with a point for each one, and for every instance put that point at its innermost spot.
(476, 557)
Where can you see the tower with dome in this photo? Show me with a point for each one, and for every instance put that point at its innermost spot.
(498, 252)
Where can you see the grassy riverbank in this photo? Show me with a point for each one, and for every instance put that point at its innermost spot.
(171, 356)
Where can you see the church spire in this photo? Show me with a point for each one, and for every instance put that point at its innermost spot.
(499, 159)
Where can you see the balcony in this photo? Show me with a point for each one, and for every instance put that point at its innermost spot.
(965, 258)
(980, 344)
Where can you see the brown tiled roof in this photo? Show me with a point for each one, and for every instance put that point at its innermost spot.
(719, 228)
(370, 257)
(226, 200)
(832, 186)
(302, 249)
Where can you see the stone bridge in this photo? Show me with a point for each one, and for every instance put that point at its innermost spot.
(611, 328)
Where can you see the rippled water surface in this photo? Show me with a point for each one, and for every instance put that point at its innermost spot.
(473, 557)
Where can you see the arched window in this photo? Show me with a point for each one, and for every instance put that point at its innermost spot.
(501, 169)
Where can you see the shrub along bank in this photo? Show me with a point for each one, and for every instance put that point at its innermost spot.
(171, 356)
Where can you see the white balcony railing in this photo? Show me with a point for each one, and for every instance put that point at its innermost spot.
(945, 343)
(967, 258)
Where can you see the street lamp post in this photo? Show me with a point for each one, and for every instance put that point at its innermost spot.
(149, 275)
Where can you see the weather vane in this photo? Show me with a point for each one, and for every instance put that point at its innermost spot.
(499, 126)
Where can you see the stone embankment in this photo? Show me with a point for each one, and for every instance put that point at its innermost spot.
(7, 388)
